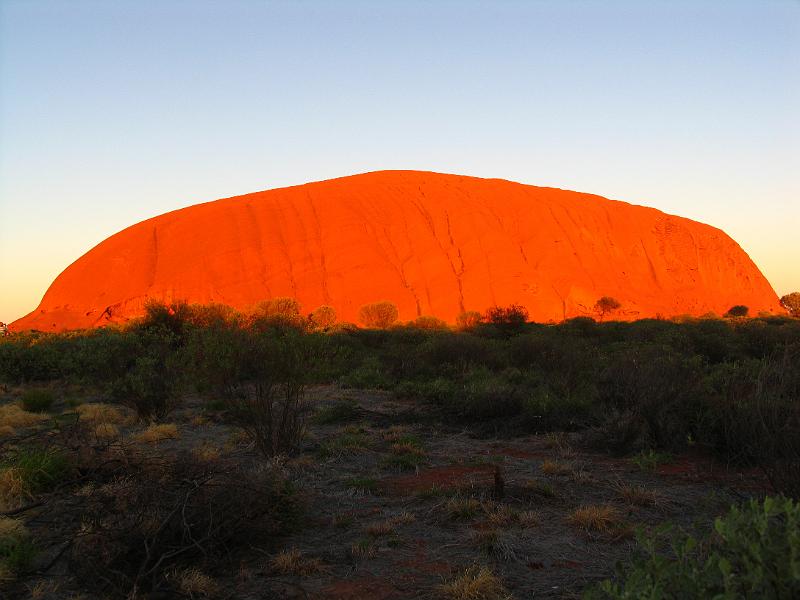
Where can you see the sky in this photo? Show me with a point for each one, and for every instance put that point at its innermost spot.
(114, 112)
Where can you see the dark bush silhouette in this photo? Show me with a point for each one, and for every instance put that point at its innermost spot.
(740, 310)
(507, 319)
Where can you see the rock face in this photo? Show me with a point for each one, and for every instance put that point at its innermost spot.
(433, 244)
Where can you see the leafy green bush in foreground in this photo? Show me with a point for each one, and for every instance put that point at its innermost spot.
(753, 552)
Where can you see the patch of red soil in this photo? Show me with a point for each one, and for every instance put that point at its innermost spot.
(567, 564)
(368, 588)
(695, 468)
(455, 476)
(515, 452)
(433, 244)
(421, 563)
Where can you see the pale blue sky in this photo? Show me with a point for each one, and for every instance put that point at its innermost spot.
(112, 112)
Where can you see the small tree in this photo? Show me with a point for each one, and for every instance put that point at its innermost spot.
(740, 310)
(469, 320)
(378, 315)
(792, 303)
(606, 305)
(323, 318)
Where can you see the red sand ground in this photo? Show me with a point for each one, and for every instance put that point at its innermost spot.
(433, 244)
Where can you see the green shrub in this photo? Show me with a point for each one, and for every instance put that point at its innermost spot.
(650, 460)
(151, 382)
(16, 547)
(545, 410)
(369, 375)
(340, 412)
(755, 418)
(754, 552)
(37, 400)
(38, 469)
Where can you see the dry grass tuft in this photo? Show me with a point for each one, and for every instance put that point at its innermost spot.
(552, 467)
(497, 543)
(106, 431)
(206, 452)
(194, 583)
(12, 528)
(97, 412)
(596, 519)
(381, 528)
(406, 448)
(476, 583)
(636, 494)
(199, 421)
(395, 433)
(502, 515)
(462, 509)
(363, 549)
(292, 562)
(529, 518)
(13, 415)
(157, 432)
(7, 431)
(403, 518)
(12, 488)
(43, 589)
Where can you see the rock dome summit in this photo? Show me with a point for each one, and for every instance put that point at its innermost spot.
(433, 244)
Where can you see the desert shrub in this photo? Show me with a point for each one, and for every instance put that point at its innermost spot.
(456, 353)
(660, 388)
(151, 383)
(508, 320)
(754, 552)
(485, 395)
(278, 307)
(272, 407)
(582, 326)
(429, 322)
(211, 315)
(756, 418)
(323, 317)
(345, 411)
(792, 303)
(378, 315)
(440, 391)
(478, 395)
(162, 316)
(37, 400)
(32, 470)
(16, 548)
(468, 320)
(544, 409)
(369, 375)
(740, 310)
(167, 515)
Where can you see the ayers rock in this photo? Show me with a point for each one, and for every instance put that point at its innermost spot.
(433, 244)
